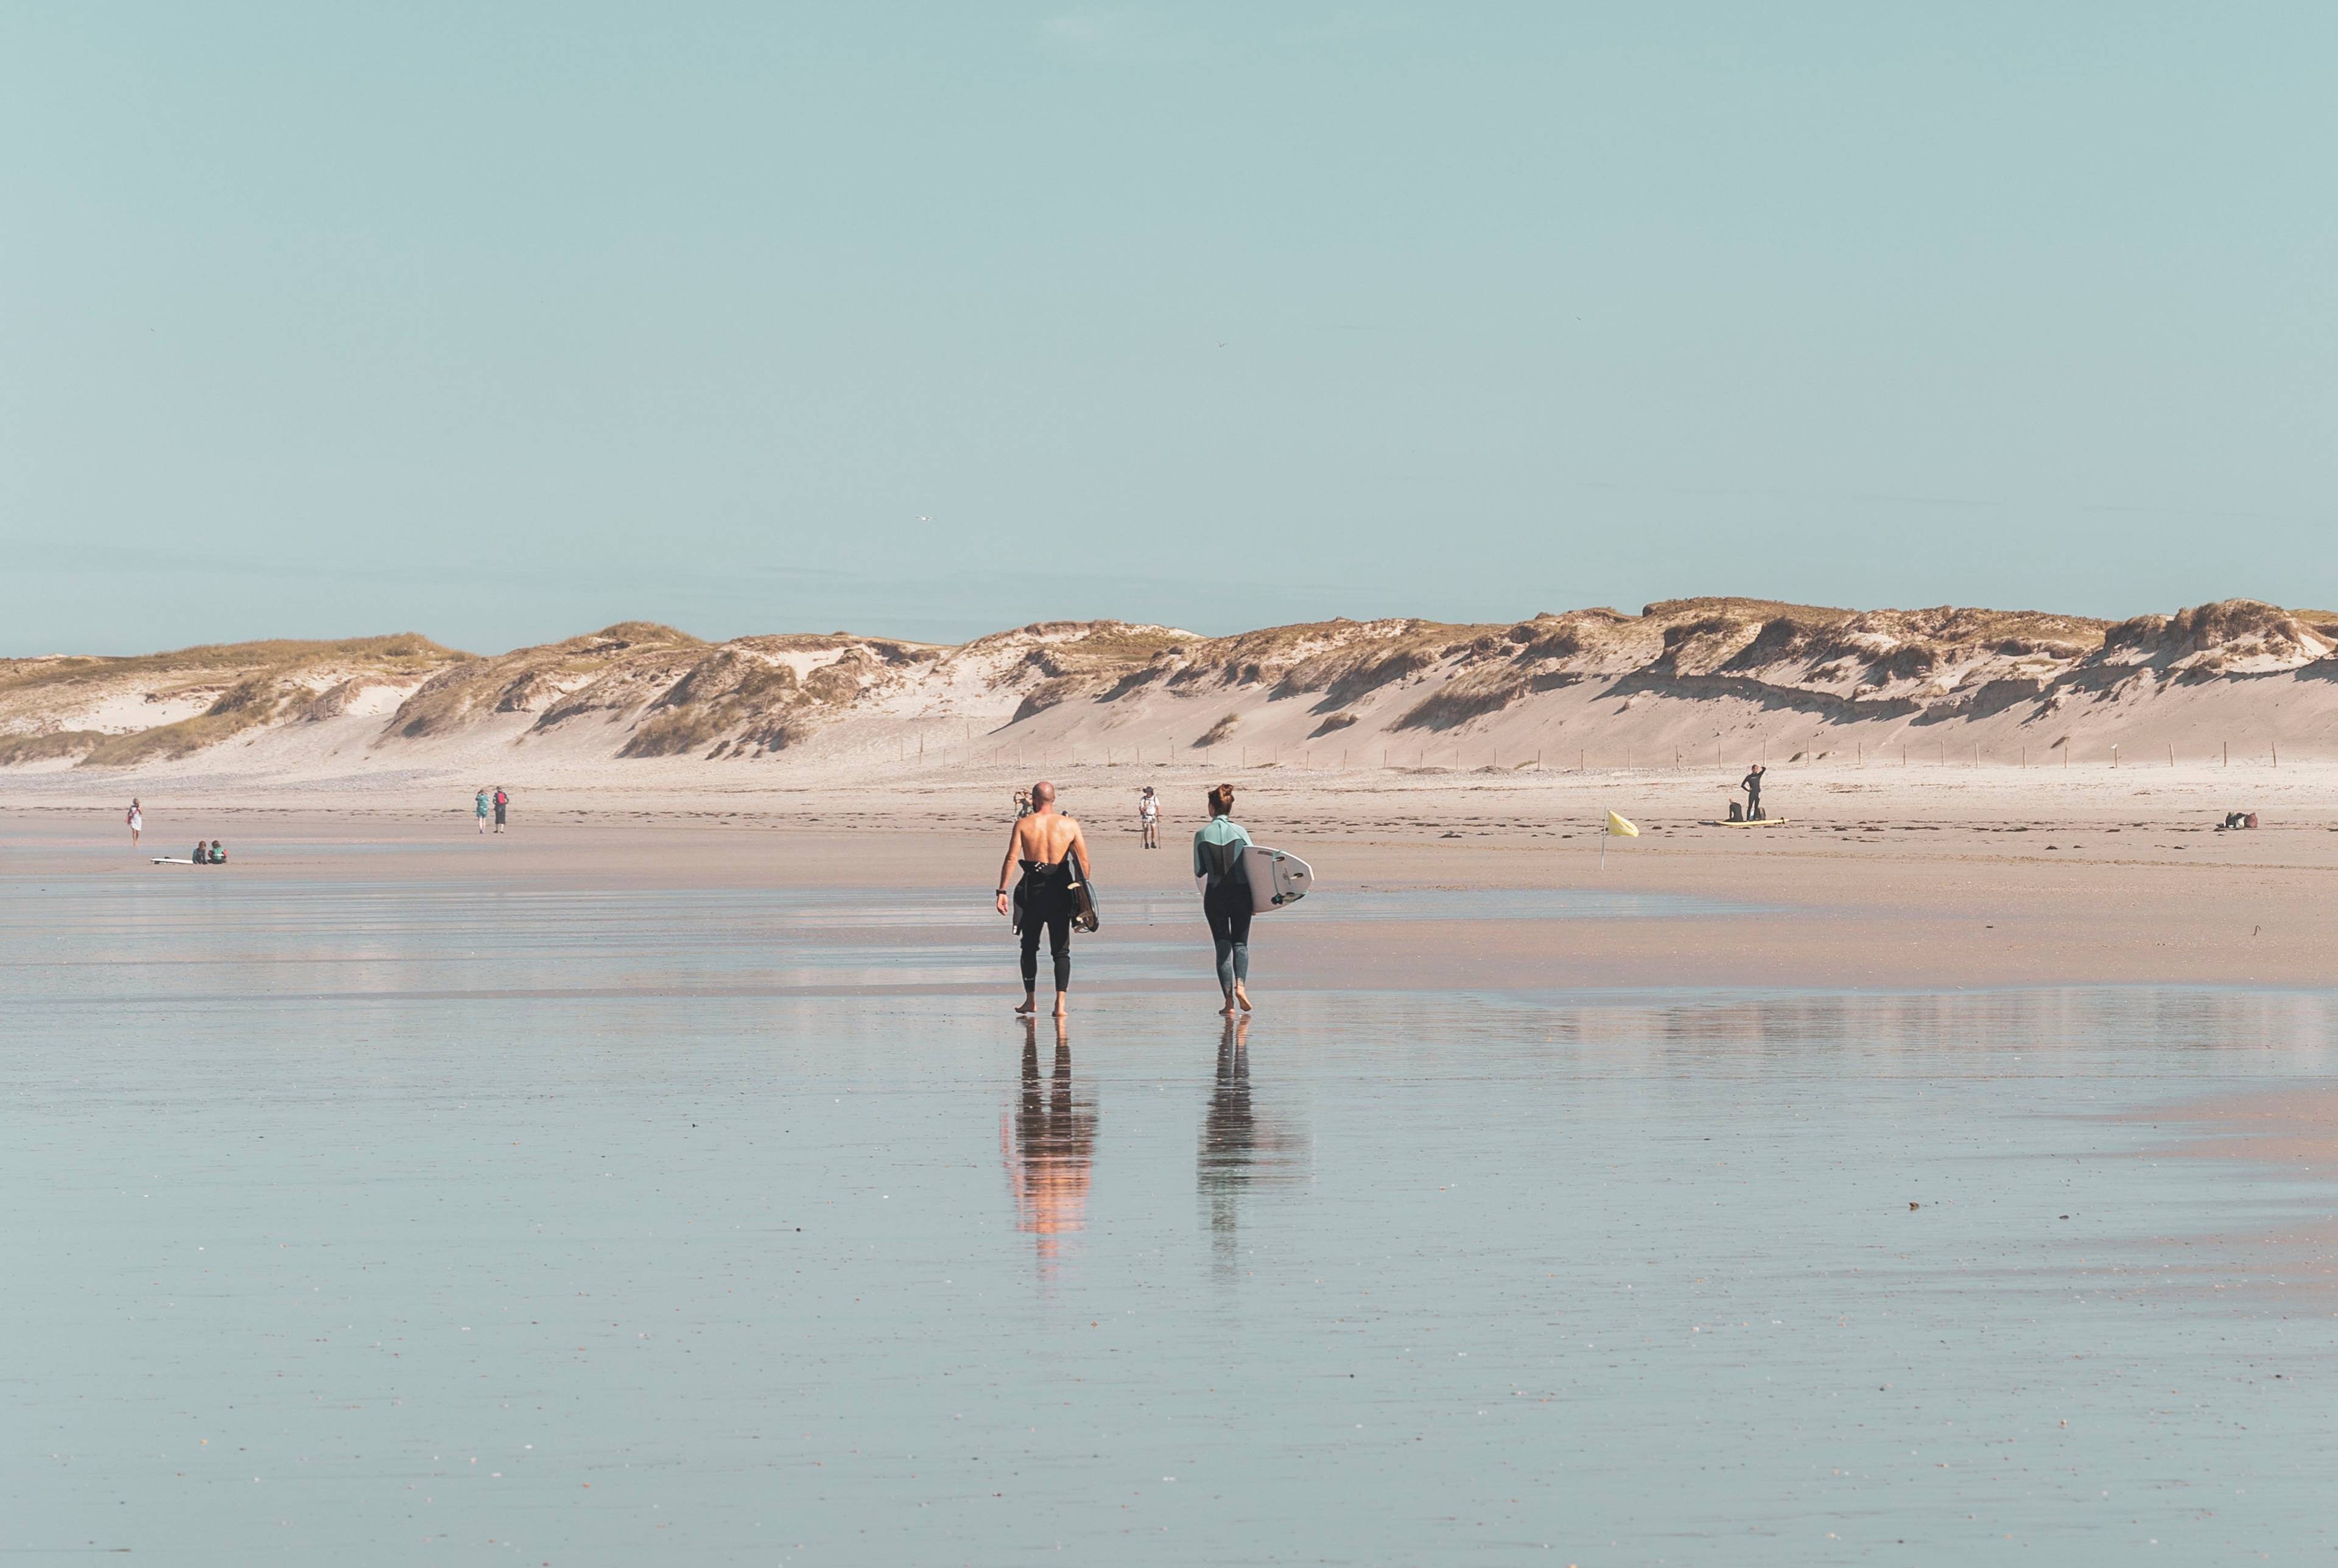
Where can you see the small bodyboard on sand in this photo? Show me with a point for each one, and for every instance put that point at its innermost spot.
(172, 860)
(1277, 879)
(1757, 822)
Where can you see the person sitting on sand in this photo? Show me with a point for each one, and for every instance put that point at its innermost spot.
(202, 856)
(1225, 895)
(1049, 844)
(219, 853)
(1148, 816)
(1751, 785)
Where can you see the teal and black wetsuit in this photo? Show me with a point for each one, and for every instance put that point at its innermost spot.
(1225, 896)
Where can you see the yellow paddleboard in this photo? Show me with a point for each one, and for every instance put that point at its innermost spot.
(1763, 822)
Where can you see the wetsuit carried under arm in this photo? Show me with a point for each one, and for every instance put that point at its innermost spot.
(1225, 896)
(1047, 901)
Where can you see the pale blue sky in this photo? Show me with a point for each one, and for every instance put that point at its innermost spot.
(500, 322)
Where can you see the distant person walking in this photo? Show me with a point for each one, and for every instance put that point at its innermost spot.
(503, 804)
(1225, 895)
(137, 820)
(1148, 816)
(483, 808)
(1751, 785)
(1022, 804)
(1051, 851)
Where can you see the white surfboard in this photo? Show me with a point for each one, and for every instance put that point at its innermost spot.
(1277, 879)
(172, 860)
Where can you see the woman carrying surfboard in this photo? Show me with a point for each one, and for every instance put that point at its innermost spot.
(1225, 895)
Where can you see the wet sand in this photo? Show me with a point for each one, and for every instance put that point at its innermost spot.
(677, 1185)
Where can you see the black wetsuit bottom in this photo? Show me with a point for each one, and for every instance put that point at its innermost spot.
(1048, 903)
(1226, 905)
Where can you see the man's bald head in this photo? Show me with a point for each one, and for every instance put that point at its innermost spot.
(1043, 793)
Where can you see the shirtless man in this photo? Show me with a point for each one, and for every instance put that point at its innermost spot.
(1045, 842)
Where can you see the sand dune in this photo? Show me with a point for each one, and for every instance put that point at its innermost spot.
(1704, 681)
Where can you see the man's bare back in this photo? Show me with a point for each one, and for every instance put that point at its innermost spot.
(1047, 836)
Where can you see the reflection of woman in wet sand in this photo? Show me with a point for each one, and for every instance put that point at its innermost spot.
(1048, 1142)
(1240, 1148)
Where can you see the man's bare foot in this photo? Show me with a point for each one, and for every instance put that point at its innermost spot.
(1027, 1005)
(1228, 1010)
(1242, 996)
(1061, 1010)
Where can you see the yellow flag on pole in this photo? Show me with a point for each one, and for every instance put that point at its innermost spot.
(1619, 828)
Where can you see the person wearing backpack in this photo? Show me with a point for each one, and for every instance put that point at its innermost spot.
(503, 804)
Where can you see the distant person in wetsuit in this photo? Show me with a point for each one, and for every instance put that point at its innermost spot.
(1751, 785)
(1225, 896)
(1048, 846)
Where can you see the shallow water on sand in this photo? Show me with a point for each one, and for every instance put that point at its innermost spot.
(379, 1224)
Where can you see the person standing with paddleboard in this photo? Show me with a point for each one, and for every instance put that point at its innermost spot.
(1053, 854)
(1225, 895)
(1751, 785)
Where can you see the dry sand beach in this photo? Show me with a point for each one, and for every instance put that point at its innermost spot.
(1883, 876)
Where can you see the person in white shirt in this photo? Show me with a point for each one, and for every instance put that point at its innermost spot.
(137, 820)
(1148, 816)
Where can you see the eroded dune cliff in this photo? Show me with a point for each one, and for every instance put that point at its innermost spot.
(1683, 677)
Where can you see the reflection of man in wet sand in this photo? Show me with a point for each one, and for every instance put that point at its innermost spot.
(1049, 1146)
(1046, 843)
